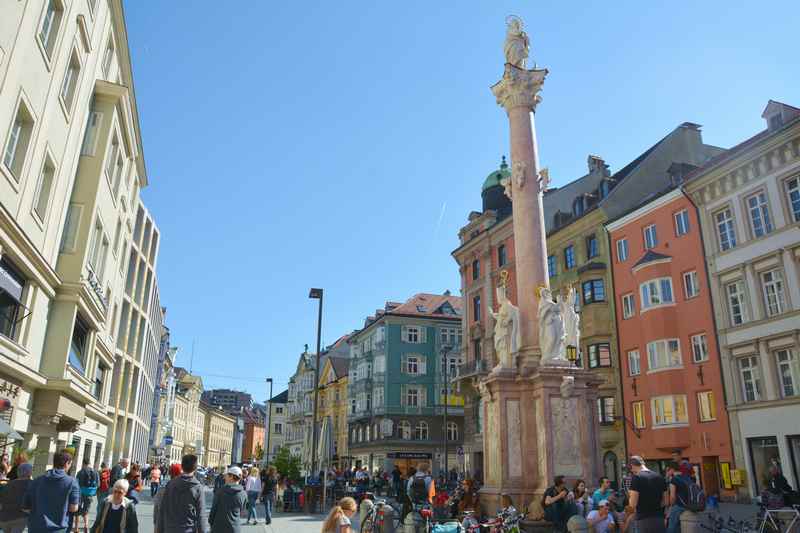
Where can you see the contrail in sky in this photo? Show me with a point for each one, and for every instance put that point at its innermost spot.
(439, 222)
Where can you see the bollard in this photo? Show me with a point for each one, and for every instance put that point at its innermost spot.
(692, 522)
(578, 524)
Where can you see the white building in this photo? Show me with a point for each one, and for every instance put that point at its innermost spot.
(277, 423)
(749, 204)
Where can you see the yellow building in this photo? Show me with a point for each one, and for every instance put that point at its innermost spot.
(217, 435)
(333, 404)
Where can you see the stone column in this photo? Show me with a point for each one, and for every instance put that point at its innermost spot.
(517, 93)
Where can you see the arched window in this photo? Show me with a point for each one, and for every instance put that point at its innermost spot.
(421, 432)
(405, 430)
(452, 431)
(611, 467)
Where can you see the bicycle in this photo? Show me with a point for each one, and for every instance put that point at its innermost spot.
(718, 525)
(770, 520)
(376, 518)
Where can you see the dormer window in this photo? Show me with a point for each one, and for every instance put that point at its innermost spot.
(579, 206)
(775, 121)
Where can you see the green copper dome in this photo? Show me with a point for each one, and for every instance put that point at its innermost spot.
(494, 179)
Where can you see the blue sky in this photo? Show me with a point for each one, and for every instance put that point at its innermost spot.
(342, 144)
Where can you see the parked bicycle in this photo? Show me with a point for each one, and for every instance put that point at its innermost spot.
(376, 518)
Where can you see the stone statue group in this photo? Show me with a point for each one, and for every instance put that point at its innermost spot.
(559, 327)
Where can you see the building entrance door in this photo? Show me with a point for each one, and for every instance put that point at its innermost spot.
(710, 478)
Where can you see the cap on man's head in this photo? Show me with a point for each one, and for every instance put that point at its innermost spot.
(234, 471)
(636, 460)
(602, 503)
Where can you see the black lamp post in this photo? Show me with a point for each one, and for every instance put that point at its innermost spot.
(268, 421)
(316, 294)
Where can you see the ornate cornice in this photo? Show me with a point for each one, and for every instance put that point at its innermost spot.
(519, 87)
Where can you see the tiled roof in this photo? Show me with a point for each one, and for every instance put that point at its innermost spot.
(649, 257)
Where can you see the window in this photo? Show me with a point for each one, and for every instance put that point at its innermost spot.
(593, 291)
(108, 57)
(551, 265)
(681, 222)
(605, 409)
(71, 80)
(772, 283)
(690, 286)
(793, 193)
(412, 365)
(622, 250)
(669, 410)
(476, 349)
(725, 229)
(578, 207)
(699, 348)
(404, 427)
(119, 168)
(656, 292)
(569, 257)
(18, 139)
(628, 306)
(452, 431)
(450, 336)
(10, 298)
(476, 308)
(650, 239)
(751, 378)
(90, 137)
(638, 414)
(634, 363)
(48, 31)
(278, 429)
(736, 305)
(42, 198)
(78, 345)
(788, 372)
(100, 374)
(111, 161)
(352, 406)
(476, 269)
(421, 431)
(706, 407)
(279, 410)
(501, 255)
(599, 355)
(760, 221)
(412, 334)
(591, 247)
(665, 353)
(412, 397)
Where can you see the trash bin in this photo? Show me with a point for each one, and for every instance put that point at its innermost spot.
(388, 519)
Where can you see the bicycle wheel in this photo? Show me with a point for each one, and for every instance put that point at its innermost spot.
(368, 526)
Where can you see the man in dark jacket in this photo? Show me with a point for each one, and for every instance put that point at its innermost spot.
(182, 506)
(12, 518)
(226, 511)
(52, 496)
(119, 471)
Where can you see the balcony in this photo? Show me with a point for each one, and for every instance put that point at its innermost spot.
(475, 368)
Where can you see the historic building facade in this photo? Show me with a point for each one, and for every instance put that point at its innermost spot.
(333, 404)
(254, 433)
(277, 423)
(401, 364)
(218, 428)
(672, 385)
(748, 201)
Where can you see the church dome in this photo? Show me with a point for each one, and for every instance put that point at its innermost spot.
(492, 192)
(495, 177)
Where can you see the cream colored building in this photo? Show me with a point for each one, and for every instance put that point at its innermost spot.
(217, 436)
(277, 421)
(749, 204)
(189, 423)
(71, 168)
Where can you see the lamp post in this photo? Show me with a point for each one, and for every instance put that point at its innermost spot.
(445, 371)
(316, 294)
(268, 428)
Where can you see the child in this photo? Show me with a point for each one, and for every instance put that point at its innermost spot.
(338, 520)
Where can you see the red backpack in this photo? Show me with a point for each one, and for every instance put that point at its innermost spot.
(105, 477)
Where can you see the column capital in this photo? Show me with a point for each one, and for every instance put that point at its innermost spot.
(519, 87)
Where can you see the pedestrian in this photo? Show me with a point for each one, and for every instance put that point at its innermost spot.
(174, 472)
(19, 459)
(648, 496)
(678, 487)
(602, 492)
(338, 520)
(601, 519)
(269, 489)
(134, 478)
(5, 467)
(120, 470)
(117, 514)
(556, 507)
(226, 510)
(12, 518)
(104, 486)
(397, 481)
(183, 503)
(253, 487)
(155, 480)
(88, 481)
(580, 497)
(52, 496)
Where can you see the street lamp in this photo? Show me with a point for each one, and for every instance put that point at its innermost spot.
(445, 370)
(267, 430)
(316, 294)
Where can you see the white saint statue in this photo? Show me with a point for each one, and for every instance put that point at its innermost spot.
(517, 44)
(551, 330)
(507, 337)
(572, 320)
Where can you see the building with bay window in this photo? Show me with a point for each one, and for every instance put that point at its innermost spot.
(403, 403)
(749, 206)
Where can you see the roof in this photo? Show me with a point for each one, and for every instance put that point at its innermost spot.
(649, 257)
(495, 178)
(340, 365)
(429, 305)
(282, 397)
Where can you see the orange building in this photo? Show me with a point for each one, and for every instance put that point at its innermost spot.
(253, 434)
(673, 395)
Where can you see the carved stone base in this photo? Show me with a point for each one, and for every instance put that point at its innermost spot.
(556, 363)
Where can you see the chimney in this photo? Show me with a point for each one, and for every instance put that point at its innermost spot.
(597, 164)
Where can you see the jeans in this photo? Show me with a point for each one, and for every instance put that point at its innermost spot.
(559, 512)
(14, 526)
(252, 497)
(154, 489)
(268, 499)
(674, 523)
(654, 524)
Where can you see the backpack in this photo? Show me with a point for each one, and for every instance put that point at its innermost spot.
(419, 490)
(695, 498)
(105, 478)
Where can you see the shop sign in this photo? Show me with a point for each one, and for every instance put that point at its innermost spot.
(726, 475)
(737, 477)
(409, 455)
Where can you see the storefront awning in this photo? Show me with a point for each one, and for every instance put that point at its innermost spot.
(6, 431)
